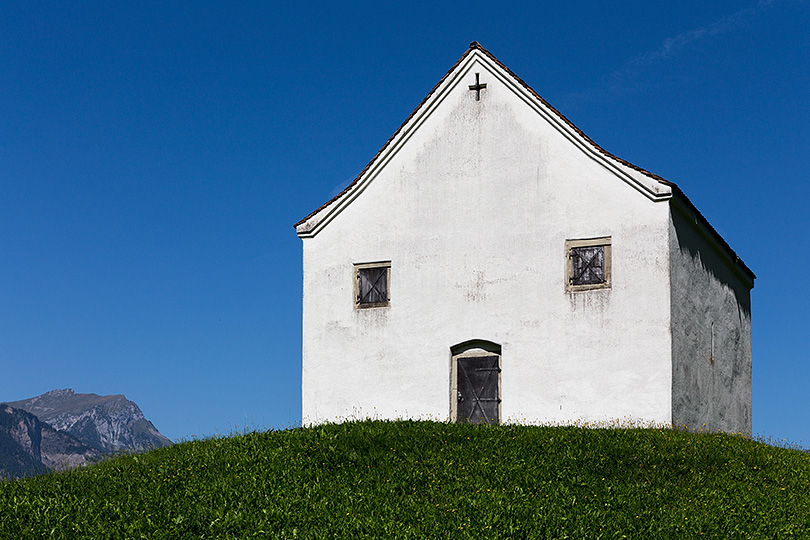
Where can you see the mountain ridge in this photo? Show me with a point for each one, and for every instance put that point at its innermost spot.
(29, 446)
(108, 423)
(61, 429)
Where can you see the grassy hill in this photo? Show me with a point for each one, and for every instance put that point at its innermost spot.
(427, 480)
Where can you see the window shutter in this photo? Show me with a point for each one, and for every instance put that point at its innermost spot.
(588, 265)
(373, 285)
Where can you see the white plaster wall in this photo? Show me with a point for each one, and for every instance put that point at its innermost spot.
(473, 213)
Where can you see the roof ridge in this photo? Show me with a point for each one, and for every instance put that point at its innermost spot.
(474, 45)
(568, 122)
(392, 137)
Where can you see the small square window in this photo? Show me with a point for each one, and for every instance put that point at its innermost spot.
(588, 264)
(372, 282)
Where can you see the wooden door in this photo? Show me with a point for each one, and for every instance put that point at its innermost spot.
(477, 387)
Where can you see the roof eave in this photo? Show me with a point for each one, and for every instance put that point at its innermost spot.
(309, 226)
(660, 190)
(700, 220)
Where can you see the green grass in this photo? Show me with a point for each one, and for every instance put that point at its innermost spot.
(427, 480)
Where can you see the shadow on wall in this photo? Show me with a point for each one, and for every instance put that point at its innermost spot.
(706, 255)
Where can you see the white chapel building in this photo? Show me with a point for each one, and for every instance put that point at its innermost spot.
(494, 264)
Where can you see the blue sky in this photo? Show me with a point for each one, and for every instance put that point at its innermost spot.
(155, 156)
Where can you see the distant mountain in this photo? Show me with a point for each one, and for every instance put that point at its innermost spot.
(29, 446)
(107, 423)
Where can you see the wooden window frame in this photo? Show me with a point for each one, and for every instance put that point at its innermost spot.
(570, 245)
(364, 266)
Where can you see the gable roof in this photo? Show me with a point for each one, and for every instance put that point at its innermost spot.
(653, 186)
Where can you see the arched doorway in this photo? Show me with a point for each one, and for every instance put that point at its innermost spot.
(475, 393)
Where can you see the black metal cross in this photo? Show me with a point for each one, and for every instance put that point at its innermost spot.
(477, 87)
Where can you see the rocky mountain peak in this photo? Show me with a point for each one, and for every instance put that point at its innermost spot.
(59, 393)
(29, 446)
(107, 423)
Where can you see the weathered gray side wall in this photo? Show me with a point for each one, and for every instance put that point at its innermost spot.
(711, 331)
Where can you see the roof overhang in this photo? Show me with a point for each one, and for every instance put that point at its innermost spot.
(650, 185)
